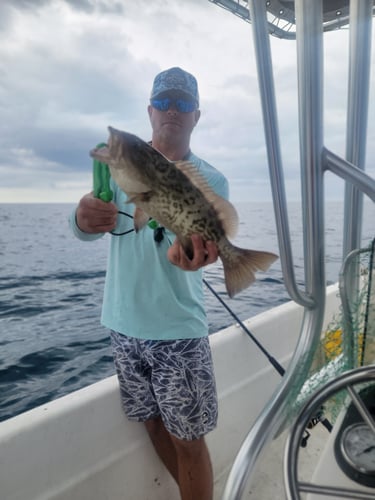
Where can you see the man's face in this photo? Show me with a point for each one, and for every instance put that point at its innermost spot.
(173, 124)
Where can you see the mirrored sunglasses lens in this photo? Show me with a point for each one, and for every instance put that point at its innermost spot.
(185, 106)
(161, 104)
(182, 105)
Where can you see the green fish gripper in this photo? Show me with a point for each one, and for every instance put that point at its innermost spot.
(102, 177)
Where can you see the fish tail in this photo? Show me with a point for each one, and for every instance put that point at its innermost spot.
(241, 264)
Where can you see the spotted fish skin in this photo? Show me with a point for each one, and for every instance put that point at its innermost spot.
(179, 198)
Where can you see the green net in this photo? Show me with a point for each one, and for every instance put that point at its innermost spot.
(352, 334)
(349, 339)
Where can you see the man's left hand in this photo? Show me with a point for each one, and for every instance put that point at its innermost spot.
(204, 253)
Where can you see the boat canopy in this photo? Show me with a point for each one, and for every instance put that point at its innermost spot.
(281, 15)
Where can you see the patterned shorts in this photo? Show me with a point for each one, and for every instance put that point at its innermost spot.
(173, 379)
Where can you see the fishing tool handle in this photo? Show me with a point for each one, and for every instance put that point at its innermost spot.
(102, 176)
(102, 190)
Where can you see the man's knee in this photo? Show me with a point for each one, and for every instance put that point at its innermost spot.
(155, 426)
(186, 447)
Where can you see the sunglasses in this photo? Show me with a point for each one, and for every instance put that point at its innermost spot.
(182, 105)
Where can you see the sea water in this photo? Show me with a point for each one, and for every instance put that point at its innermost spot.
(51, 288)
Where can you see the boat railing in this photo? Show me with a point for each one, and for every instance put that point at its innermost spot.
(355, 386)
(315, 160)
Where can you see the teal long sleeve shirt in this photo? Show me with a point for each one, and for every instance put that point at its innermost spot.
(145, 296)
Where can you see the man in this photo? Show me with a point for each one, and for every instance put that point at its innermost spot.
(154, 307)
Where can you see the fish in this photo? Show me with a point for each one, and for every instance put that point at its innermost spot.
(179, 198)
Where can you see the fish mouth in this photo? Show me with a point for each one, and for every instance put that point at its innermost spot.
(96, 153)
(93, 152)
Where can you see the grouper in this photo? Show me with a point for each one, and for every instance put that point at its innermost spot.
(179, 198)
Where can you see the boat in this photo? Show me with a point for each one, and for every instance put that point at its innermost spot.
(81, 446)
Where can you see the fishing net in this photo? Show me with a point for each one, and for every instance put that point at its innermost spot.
(355, 340)
(349, 339)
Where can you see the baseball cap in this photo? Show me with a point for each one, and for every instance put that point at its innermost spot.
(175, 79)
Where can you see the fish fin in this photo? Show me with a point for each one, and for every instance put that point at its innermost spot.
(226, 213)
(132, 198)
(140, 219)
(241, 264)
(224, 209)
(139, 197)
(187, 245)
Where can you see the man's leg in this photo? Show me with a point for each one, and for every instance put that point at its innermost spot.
(163, 444)
(195, 477)
(187, 461)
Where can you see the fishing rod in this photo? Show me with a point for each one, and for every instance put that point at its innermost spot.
(270, 358)
(319, 416)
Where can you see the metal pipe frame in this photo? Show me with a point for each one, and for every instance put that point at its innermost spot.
(357, 115)
(270, 122)
(315, 159)
(360, 13)
(310, 64)
(353, 176)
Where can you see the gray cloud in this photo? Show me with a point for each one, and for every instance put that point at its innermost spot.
(68, 69)
(90, 6)
(56, 102)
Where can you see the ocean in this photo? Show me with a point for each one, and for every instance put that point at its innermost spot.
(51, 287)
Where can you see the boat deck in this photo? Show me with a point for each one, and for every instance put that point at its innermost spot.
(267, 482)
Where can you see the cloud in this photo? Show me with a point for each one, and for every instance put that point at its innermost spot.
(68, 69)
(57, 94)
(89, 6)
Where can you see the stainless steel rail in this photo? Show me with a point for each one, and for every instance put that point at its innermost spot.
(315, 159)
(354, 177)
(358, 93)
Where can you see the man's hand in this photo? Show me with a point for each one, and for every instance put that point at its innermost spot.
(205, 252)
(96, 216)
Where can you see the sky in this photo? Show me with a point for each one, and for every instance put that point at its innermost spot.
(70, 68)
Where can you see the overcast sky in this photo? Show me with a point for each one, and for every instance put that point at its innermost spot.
(68, 69)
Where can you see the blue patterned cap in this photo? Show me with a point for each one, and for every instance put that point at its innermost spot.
(175, 79)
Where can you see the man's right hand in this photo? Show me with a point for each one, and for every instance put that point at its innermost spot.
(95, 216)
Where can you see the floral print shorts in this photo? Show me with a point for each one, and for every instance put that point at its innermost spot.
(173, 379)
